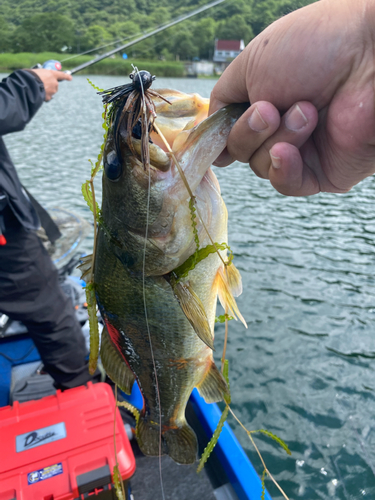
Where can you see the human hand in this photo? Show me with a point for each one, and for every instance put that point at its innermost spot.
(51, 79)
(310, 77)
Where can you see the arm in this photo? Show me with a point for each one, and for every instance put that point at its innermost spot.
(21, 95)
(310, 79)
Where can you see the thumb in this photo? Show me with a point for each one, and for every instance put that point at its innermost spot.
(231, 86)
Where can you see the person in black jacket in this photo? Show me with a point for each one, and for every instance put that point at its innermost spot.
(29, 288)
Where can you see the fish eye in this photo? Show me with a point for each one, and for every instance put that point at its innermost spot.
(112, 166)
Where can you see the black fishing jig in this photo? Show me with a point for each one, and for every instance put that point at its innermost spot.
(134, 101)
(141, 82)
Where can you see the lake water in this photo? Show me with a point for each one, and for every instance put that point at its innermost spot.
(304, 369)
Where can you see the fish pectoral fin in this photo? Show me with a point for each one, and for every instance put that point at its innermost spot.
(225, 284)
(114, 365)
(179, 442)
(213, 387)
(85, 265)
(194, 311)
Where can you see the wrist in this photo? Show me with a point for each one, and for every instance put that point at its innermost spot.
(35, 75)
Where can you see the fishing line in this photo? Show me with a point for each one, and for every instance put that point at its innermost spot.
(144, 295)
(145, 32)
(183, 177)
(101, 47)
(175, 36)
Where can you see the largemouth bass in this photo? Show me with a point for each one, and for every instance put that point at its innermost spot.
(159, 314)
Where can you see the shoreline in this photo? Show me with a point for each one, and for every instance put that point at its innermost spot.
(116, 66)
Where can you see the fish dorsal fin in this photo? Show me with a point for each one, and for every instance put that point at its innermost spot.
(85, 265)
(114, 365)
(213, 387)
(194, 311)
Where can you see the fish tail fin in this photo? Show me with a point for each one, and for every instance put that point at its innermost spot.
(213, 387)
(180, 443)
(114, 365)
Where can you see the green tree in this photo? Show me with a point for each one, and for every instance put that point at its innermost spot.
(95, 36)
(5, 36)
(36, 25)
(185, 48)
(160, 16)
(235, 28)
(44, 32)
(266, 12)
(204, 37)
(123, 30)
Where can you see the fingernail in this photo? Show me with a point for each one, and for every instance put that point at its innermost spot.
(256, 121)
(276, 162)
(295, 120)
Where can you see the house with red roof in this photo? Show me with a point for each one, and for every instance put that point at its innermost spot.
(227, 50)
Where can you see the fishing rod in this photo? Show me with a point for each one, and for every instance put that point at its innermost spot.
(97, 48)
(141, 38)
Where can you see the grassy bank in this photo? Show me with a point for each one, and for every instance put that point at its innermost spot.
(115, 66)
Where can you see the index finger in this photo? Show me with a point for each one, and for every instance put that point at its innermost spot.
(60, 75)
(231, 86)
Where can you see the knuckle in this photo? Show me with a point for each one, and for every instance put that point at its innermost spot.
(260, 170)
(239, 153)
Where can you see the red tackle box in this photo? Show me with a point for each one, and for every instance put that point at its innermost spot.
(61, 447)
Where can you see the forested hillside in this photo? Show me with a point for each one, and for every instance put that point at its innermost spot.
(75, 26)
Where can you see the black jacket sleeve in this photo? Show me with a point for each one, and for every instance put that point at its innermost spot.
(21, 95)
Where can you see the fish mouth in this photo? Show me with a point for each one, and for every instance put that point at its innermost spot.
(198, 141)
(183, 113)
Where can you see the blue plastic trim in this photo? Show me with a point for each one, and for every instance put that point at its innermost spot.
(237, 465)
(77, 280)
(135, 398)
(240, 472)
(14, 352)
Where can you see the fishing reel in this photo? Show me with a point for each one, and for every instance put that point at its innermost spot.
(50, 64)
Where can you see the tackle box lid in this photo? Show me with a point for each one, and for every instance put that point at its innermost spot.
(62, 446)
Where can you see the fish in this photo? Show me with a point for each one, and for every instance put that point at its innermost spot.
(156, 294)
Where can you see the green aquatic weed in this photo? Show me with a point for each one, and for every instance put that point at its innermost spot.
(183, 270)
(94, 86)
(94, 328)
(88, 196)
(194, 224)
(133, 410)
(88, 193)
(263, 485)
(222, 318)
(118, 483)
(274, 437)
(227, 397)
(215, 437)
